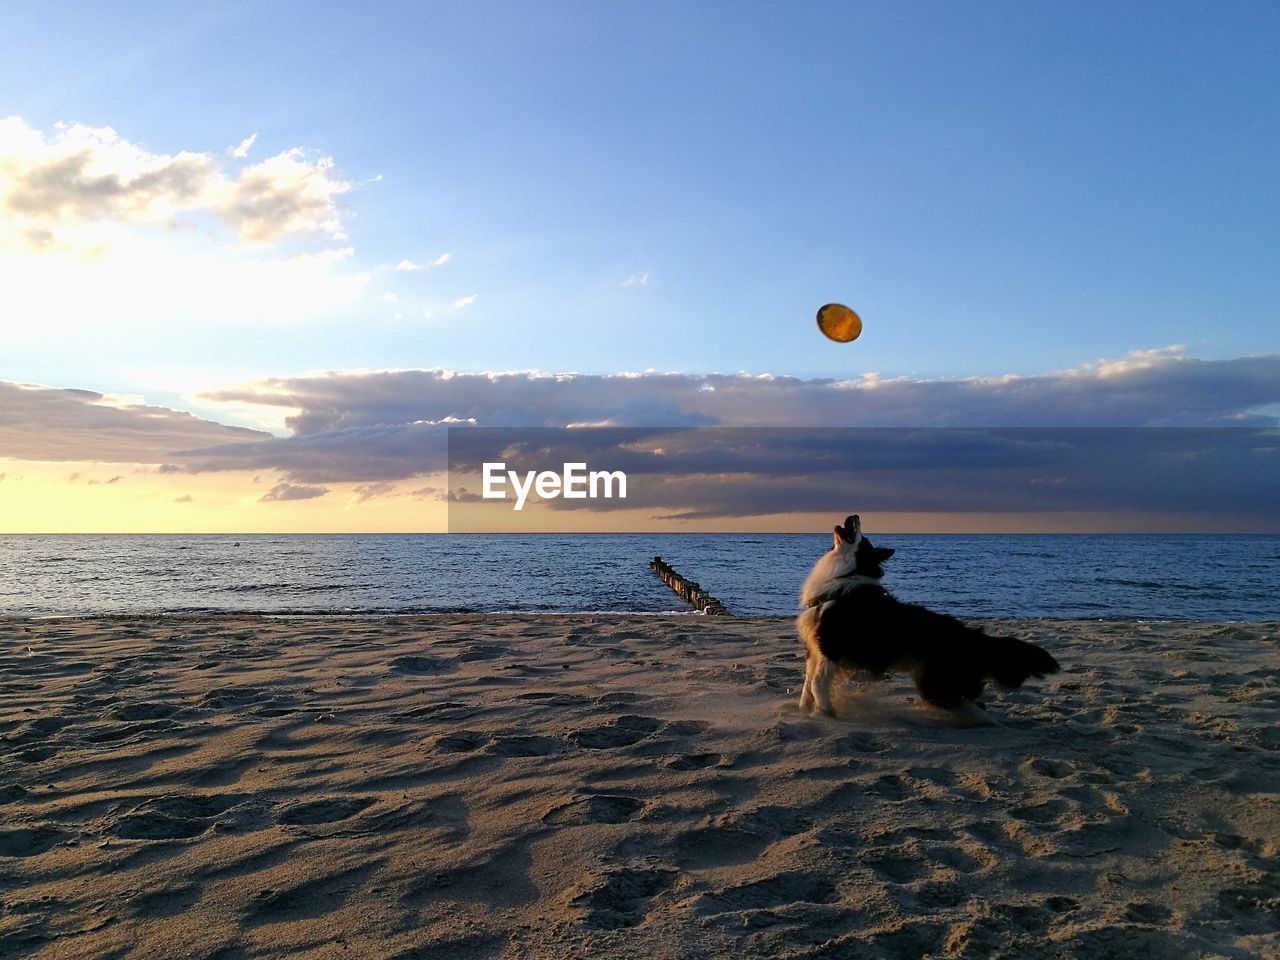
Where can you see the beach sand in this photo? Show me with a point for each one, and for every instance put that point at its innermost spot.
(614, 786)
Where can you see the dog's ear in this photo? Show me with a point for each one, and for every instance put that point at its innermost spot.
(837, 540)
(884, 553)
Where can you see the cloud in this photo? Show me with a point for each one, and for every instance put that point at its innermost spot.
(709, 473)
(288, 491)
(364, 454)
(768, 445)
(1165, 388)
(371, 491)
(185, 498)
(49, 190)
(242, 151)
(465, 301)
(102, 237)
(289, 193)
(46, 423)
(763, 442)
(636, 280)
(410, 266)
(60, 191)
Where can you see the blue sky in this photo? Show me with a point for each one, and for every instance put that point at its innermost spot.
(995, 187)
(257, 259)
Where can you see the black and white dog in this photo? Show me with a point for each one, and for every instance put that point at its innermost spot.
(851, 623)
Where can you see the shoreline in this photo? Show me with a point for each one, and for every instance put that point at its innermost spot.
(373, 615)
(601, 785)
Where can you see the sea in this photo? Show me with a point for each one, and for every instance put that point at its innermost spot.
(1122, 577)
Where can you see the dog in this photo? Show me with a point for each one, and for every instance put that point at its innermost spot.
(852, 624)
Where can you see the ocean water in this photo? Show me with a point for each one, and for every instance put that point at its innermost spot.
(1179, 577)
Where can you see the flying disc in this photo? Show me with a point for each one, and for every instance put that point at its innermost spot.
(837, 322)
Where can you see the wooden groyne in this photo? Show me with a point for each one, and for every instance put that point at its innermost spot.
(689, 590)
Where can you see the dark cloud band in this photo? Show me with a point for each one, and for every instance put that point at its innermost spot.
(44, 423)
(1227, 474)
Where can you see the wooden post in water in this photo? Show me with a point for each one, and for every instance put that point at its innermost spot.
(689, 590)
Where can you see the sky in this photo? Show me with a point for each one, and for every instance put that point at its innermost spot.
(248, 248)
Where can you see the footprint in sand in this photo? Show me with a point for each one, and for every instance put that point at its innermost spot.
(969, 858)
(526, 746)
(685, 728)
(707, 848)
(773, 821)
(1130, 941)
(1141, 911)
(620, 732)
(445, 710)
(484, 653)
(737, 838)
(937, 776)
(324, 810)
(16, 686)
(10, 792)
(1268, 738)
(37, 754)
(897, 864)
(143, 711)
(693, 761)
(618, 697)
(30, 841)
(775, 891)
(462, 741)
(416, 665)
(224, 773)
(549, 699)
(115, 732)
(173, 817)
(164, 901)
(1049, 767)
(232, 696)
(619, 898)
(595, 808)
(890, 787)
(1047, 812)
(38, 729)
(1252, 907)
(315, 897)
(901, 939)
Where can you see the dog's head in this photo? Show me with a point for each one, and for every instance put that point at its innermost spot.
(857, 553)
(852, 562)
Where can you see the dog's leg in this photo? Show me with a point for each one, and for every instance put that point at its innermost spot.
(806, 626)
(823, 674)
(806, 695)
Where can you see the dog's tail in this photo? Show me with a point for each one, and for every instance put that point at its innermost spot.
(1011, 661)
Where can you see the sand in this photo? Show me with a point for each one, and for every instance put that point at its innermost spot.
(611, 786)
